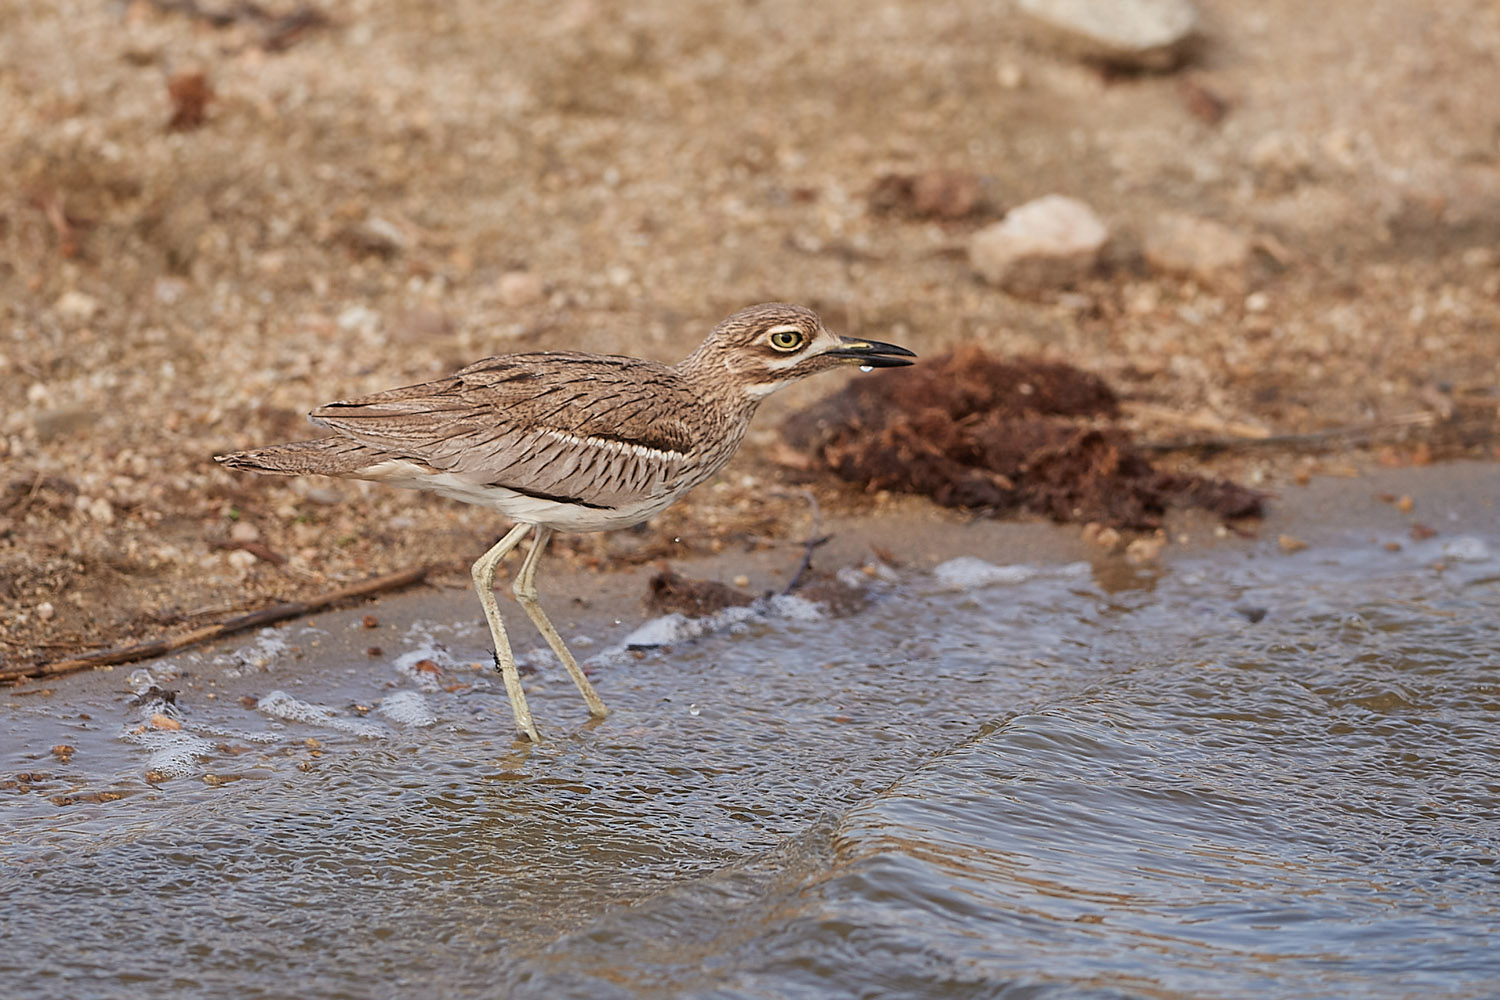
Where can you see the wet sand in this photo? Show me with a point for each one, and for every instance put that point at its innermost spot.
(391, 193)
(1386, 510)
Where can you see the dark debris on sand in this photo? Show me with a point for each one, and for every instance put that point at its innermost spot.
(971, 430)
(670, 592)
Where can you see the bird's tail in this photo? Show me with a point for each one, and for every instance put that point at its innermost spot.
(330, 456)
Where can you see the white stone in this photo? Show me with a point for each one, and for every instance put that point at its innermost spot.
(1046, 243)
(1135, 34)
(663, 631)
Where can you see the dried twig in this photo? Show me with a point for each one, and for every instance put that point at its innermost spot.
(259, 550)
(814, 539)
(206, 633)
(54, 207)
(1195, 421)
(1358, 434)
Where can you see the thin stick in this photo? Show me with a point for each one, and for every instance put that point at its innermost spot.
(1312, 439)
(206, 633)
(813, 541)
(1196, 421)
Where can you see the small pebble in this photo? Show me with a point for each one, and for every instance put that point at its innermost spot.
(1102, 535)
(520, 288)
(1207, 251)
(1145, 550)
(1291, 543)
(76, 305)
(101, 510)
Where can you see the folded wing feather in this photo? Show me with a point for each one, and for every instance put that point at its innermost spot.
(608, 431)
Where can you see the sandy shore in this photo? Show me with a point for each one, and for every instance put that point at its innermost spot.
(1394, 513)
(394, 192)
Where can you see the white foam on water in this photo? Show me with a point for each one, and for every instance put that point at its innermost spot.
(426, 632)
(174, 753)
(798, 609)
(423, 642)
(425, 680)
(142, 680)
(1466, 549)
(239, 735)
(407, 708)
(674, 628)
(971, 573)
(261, 653)
(284, 706)
(861, 577)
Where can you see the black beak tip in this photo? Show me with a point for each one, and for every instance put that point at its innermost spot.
(882, 361)
(874, 354)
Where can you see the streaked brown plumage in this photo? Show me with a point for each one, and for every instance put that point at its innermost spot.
(568, 441)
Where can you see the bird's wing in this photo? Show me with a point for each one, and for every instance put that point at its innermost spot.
(601, 431)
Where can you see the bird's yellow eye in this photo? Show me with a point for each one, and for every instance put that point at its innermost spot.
(786, 340)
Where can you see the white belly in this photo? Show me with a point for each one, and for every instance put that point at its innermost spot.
(519, 506)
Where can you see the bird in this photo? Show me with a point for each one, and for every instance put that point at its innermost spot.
(567, 441)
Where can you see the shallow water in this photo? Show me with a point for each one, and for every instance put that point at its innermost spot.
(1245, 775)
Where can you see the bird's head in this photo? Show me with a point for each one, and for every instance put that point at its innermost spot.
(765, 347)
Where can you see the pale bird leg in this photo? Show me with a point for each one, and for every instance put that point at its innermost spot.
(525, 591)
(484, 582)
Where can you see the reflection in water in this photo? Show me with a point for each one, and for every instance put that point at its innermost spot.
(1037, 786)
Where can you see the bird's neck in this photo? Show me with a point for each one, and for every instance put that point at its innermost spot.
(718, 383)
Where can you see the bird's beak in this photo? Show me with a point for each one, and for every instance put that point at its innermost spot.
(871, 353)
